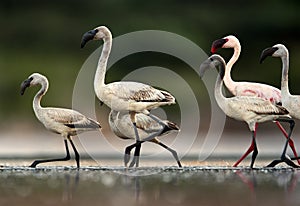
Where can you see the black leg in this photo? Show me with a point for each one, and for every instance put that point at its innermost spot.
(255, 151)
(127, 152)
(137, 150)
(36, 162)
(174, 153)
(284, 157)
(136, 157)
(77, 157)
(138, 144)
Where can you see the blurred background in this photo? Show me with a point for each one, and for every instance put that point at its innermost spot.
(44, 36)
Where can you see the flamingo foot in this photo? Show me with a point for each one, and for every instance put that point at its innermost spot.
(285, 159)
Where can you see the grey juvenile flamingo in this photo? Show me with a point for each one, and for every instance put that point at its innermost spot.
(65, 122)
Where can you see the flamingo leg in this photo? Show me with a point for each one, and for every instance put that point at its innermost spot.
(127, 153)
(136, 158)
(291, 142)
(129, 148)
(250, 149)
(284, 157)
(138, 142)
(173, 152)
(77, 157)
(255, 151)
(137, 137)
(68, 157)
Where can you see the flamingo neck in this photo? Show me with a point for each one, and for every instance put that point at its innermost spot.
(230, 84)
(284, 77)
(102, 64)
(38, 97)
(219, 94)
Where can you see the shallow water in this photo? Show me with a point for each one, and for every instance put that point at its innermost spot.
(104, 181)
(116, 185)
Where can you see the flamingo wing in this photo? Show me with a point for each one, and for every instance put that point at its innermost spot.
(140, 92)
(71, 118)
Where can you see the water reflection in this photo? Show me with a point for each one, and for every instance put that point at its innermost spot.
(169, 186)
(286, 179)
(70, 185)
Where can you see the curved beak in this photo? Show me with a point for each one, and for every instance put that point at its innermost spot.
(267, 52)
(87, 37)
(24, 85)
(204, 66)
(217, 44)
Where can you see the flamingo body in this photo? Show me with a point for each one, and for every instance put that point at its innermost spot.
(264, 91)
(133, 96)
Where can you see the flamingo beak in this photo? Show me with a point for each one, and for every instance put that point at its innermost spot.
(25, 84)
(267, 52)
(87, 37)
(217, 44)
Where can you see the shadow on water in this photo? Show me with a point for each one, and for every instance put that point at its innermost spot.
(168, 186)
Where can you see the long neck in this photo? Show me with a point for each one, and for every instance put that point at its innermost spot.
(221, 100)
(37, 98)
(284, 77)
(102, 63)
(230, 84)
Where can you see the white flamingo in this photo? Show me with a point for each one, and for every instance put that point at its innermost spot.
(148, 129)
(252, 110)
(65, 122)
(290, 102)
(248, 88)
(134, 97)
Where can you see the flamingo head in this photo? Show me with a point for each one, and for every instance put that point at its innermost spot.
(33, 79)
(98, 33)
(226, 42)
(214, 61)
(278, 50)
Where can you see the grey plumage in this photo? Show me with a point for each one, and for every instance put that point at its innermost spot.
(66, 122)
(148, 129)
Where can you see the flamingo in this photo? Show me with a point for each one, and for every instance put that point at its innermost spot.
(251, 109)
(134, 97)
(148, 130)
(248, 88)
(290, 102)
(65, 122)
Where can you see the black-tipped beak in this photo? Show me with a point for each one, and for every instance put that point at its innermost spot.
(217, 44)
(87, 37)
(24, 85)
(204, 66)
(267, 52)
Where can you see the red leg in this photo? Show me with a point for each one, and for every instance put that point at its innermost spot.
(291, 142)
(250, 149)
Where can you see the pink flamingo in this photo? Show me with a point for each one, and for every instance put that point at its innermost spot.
(248, 88)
